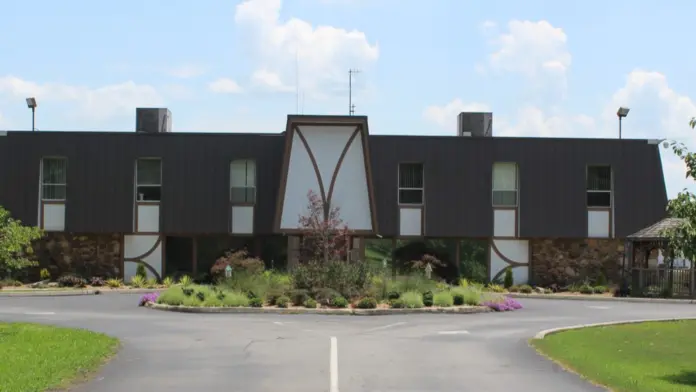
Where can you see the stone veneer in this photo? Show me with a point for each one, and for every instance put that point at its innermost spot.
(565, 261)
(85, 254)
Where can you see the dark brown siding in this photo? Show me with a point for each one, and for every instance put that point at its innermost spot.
(196, 179)
(458, 183)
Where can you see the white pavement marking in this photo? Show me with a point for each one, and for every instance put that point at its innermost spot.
(386, 326)
(39, 313)
(333, 365)
(598, 307)
(453, 332)
(277, 323)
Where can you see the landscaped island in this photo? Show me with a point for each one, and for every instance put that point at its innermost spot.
(652, 356)
(36, 358)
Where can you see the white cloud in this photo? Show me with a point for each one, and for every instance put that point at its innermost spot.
(533, 49)
(657, 111)
(187, 71)
(324, 53)
(269, 80)
(224, 86)
(97, 104)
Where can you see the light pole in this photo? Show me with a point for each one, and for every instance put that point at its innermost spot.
(31, 104)
(621, 113)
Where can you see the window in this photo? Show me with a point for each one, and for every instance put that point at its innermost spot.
(53, 178)
(243, 181)
(504, 184)
(599, 186)
(411, 183)
(148, 178)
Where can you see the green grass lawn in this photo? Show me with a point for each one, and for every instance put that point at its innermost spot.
(35, 358)
(647, 357)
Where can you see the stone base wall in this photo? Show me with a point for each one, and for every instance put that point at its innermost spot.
(565, 261)
(85, 254)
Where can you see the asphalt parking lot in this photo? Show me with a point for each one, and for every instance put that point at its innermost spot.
(251, 353)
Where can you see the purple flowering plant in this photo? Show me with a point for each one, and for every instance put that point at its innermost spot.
(149, 297)
(505, 305)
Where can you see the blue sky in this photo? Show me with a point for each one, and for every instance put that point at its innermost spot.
(545, 68)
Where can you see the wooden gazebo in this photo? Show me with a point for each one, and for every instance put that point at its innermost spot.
(660, 280)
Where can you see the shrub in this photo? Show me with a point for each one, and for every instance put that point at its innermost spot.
(393, 295)
(514, 289)
(239, 260)
(428, 298)
(466, 296)
(149, 297)
(412, 299)
(367, 303)
(508, 280)
(188, 291)
(96, 281)
(349, 279)
(138, 281)
(71, 281)
(413, 282)
(600, 289)
(283, 301)
(239, 299)
(458, 298)
(310, 303)
(339, 302)
(256, 285)
(185, 280)
(168, 281)
(44, 274)
(141, 271)
(586, 289)
(214, 301)
(114, 283)
(192, 301)
(526, 289)
(601, 280)
(273, 295)
(173, 296)
(325, 296)
(255, 302)
(496, 288)
(298, 296)
(10, 283)
(397, 303)
(443, 299)
(151, 283)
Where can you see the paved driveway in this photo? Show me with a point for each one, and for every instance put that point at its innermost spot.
(165, 351)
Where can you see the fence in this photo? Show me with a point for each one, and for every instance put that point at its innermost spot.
(663, 282)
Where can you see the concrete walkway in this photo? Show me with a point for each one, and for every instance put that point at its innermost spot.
(305, 353)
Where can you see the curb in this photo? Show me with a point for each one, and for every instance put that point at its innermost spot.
(547, 332)
(74, 293)
(335, 312)
(603, 298)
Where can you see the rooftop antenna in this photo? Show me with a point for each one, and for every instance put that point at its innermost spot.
(351, 107)
(297, 81)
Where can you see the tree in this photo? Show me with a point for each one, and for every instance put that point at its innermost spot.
(325, 236)
(682, 239)
(16, 243)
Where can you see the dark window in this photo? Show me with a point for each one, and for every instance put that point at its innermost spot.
(243, 181)
(411, 183)
(599, 186)
(148, 179)
(54, 178)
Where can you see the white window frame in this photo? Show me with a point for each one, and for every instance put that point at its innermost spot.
(399, 188)
(517, 185)
(611, 186)
(43, 183)
(137, 180)
(246, 186)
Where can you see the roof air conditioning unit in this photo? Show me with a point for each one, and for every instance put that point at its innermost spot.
(153, 120)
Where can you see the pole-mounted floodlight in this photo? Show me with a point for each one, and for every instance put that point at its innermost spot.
(621, 113)
(31, 104)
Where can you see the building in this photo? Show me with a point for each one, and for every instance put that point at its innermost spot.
(173, 200)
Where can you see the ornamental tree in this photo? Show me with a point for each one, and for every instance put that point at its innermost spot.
(16, 243)
(682, 239)
(325, 236)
